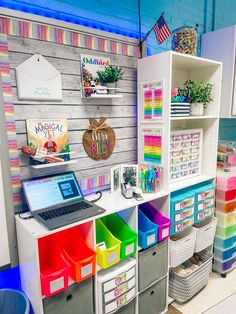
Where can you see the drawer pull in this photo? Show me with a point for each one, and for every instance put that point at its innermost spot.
(154, 253)
(152, 292)
(69, 298)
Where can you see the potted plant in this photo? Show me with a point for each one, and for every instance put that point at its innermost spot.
(110, 76)
(200, 94)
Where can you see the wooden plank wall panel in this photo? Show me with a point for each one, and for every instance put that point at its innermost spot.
(121, 113)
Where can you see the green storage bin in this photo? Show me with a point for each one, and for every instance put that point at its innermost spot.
(121, 231)
(111, 255)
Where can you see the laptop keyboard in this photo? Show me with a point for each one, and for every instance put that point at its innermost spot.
(57, 212)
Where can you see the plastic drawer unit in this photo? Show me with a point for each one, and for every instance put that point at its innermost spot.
(78, 253)
(182, 247)
(155, 259)
(116, 286)
(127, 309)
(225, 207)
(182, 225)
(122, 232)
(224, 254)
(225, 195)
(224, 266)
(202, 215)
(147, 231)
(108, 247)
(225, 232)
(78, 298)
(225, 243)
(226, 220)
(226, 180)
(153, 300)
(204, 192)
(157, 217)
(181, 202)
(54, 269)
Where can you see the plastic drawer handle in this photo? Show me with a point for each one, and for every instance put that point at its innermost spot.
(208, 228)
(152, 292)
(69, 298)
(154, 253)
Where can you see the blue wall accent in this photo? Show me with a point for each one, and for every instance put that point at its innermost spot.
(121, 17)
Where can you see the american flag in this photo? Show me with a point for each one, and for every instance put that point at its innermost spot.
(161, 30)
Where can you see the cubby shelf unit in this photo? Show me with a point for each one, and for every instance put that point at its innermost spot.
(29, 233)
(174, 69)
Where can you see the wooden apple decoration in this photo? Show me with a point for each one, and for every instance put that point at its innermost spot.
(99, 140)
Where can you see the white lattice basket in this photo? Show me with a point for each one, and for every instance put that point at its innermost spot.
(205, 233)
(182, 247)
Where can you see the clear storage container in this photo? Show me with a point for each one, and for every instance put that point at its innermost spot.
(184, 40)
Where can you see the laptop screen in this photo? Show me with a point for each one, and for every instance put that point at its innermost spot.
(49, 191)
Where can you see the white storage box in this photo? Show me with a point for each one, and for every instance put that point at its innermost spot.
(116, 286)
(182, 247)
(205, 233)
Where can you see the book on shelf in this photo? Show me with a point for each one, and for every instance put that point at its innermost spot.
(50, 134)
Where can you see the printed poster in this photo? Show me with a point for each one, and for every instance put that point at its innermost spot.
(89, 67)
(152, 100)
(152, 141)
(51, 134)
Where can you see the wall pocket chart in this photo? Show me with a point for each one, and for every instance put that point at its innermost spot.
(151, 144)
(152, 100)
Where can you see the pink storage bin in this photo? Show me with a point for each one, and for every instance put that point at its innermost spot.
(226, 180)
(164, 223)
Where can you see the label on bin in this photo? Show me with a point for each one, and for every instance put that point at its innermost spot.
(57, 284)
(129, 249)
(112, 257)
(165, 232)
(116, 281)
(151, 239)
(120, 301)
(86, 270)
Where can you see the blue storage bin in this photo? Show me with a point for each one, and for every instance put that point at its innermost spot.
(147, 231)
(224, 243)
(224, 254)
(181, 201)
(204, 192)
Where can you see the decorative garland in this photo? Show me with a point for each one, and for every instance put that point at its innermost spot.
(37, 31)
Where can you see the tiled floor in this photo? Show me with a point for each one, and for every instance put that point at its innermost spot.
(217, 290)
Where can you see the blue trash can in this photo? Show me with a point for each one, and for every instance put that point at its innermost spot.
(13, 302)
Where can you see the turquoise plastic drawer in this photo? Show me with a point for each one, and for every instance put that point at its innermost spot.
(204, 214)
(183, 225)
(181, 202)
(205, 204)
(177, 217)
(225, 243)
(204, 192)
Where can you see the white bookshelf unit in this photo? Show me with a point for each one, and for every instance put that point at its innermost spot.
(174, 69)
(30, 233)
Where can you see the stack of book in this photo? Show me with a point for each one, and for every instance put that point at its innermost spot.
(180, 109)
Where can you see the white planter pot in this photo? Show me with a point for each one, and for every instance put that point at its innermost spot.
(196, 109)
(111, 85)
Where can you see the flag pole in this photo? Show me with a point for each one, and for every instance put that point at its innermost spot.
(148, 33)
(140, 25)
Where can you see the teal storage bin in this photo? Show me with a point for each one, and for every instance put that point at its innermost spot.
(204, 214)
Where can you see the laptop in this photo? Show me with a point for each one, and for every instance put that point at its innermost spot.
(57, 200)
